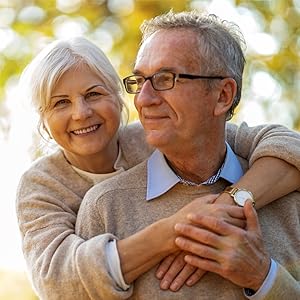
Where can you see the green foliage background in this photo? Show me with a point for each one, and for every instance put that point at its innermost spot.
(114, 26)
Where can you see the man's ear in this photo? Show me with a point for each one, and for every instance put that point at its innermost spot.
(227, 93)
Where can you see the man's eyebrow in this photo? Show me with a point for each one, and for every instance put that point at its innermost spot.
(162, 69)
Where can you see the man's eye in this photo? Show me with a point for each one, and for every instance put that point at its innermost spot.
(164, 78)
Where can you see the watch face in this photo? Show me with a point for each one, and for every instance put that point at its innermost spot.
(241, 197)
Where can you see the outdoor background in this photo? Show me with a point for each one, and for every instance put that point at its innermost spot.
(271, 80)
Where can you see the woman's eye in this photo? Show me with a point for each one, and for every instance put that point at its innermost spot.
(60, 103)
(92, 95)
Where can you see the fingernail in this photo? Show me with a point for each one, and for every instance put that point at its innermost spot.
(191, 216)
(178, 241)
(164, 285)
(160, 274)
(190, 282)
(179, 227)
(174, 286)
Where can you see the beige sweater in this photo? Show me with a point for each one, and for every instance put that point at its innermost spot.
(118, 206)
(50, 193)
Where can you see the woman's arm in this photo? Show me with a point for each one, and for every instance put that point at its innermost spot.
(268, 179)
(59, 262)
(142, 250)
(273, 153)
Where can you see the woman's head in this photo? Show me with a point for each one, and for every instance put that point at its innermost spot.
(43, 73)
(78, 96)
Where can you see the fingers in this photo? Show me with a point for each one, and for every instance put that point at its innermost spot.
(208, 199)
(225, 209)
(214, 224)
(197, 248)
(236, 222)
(175, 268)
(165, 265)
(176, 272)
(203, 264)
(195, 277)
(183, 275)
(233, 220)
(251, 217)
(195, 236)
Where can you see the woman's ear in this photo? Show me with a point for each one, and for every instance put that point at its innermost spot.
(227, 93)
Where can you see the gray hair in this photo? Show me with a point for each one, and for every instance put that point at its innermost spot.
(40, 77)
(220, 43)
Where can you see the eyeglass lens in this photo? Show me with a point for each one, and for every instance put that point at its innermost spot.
(160, 81)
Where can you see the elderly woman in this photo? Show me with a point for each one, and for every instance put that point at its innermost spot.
(78, 96)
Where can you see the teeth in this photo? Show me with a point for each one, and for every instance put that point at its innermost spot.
(86, 130)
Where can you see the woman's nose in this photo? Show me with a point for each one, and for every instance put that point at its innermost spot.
(81, 109)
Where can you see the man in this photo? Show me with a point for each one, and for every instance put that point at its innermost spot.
(187, 80)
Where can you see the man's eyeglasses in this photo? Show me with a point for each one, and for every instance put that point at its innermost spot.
(160, 81)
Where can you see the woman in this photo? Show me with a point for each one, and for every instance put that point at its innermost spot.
(77, 94)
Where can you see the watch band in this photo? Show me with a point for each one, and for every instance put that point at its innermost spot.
(231, 190)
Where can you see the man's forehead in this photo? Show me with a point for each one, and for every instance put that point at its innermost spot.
(168, 48)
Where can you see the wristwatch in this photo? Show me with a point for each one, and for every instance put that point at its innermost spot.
(239, 196)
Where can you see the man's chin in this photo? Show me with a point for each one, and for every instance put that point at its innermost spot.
(155, 138)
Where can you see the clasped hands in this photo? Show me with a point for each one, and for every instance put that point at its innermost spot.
(215, 237)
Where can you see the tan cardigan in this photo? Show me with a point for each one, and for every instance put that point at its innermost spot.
(50, 193)
(118, 206)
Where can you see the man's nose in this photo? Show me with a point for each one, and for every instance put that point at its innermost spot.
(81, 109)
(147, 96)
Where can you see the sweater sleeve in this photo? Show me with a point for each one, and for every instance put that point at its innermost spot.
(273, 140)
(61, 264)
(89, 224)
(285, 285)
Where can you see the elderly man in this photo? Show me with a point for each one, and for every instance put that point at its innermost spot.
(187, 80)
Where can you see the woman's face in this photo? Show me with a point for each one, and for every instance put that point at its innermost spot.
(84, 115)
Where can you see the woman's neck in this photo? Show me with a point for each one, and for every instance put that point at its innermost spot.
(98, 163)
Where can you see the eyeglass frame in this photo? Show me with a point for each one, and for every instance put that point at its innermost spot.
(175, 78)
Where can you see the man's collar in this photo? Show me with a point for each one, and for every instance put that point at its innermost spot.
(161, 178)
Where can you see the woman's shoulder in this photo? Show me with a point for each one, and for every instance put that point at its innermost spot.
(49, 162)
(49, 169)
(133, 144)
(54, 175)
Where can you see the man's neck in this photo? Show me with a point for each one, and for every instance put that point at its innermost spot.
(197, 165)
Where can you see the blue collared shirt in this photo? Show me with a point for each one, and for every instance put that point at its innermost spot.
(161, 178)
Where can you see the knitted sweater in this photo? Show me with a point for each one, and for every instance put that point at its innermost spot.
(50, 193)
(118, 206)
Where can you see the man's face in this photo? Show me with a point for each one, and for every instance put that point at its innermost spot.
(183, 115)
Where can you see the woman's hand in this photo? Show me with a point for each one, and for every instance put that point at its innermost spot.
(207, 206)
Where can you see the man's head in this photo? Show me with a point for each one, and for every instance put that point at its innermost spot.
(220, 43)
(187, 74)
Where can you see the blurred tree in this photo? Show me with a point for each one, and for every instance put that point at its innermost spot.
(26, 26)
